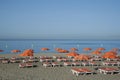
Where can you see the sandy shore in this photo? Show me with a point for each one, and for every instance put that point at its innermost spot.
(11, 71)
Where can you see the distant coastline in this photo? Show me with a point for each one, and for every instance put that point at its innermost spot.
(60, 39)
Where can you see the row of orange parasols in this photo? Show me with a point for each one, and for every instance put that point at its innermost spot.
(78, 56)
(109, 54)
(71, 49)
(57, 49)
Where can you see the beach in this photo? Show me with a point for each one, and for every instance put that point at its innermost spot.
(11, 71)
(59, 40)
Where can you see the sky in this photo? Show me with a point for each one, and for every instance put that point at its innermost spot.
(59, 19)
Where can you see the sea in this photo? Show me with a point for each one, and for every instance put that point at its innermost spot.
(36, 44)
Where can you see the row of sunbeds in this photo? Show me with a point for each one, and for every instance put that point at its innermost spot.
(102, 70)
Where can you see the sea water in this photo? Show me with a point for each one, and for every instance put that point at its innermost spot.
(36, 44)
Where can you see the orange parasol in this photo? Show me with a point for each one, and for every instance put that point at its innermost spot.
(100, 49)
(63, 51)
(87, 49)
(15, 51)
(57, 49)
(27, 52)
(73, 49)
(73, 54)
(96, 52)
(44, 49)
(115, 49)
(110, 55)
(82, 57)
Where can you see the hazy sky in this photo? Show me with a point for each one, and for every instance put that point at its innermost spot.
(41, 19)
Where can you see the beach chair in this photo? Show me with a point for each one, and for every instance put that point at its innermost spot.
(54, 64)
(47, 64)
(76, 64)
(5, 61)
(67, 64)
(21, 65)
(29, 65)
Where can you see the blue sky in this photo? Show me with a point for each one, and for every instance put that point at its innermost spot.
(59, 19)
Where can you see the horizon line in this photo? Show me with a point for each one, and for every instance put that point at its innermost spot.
(54, 39)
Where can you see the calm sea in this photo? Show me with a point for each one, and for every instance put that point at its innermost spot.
(37, 44)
